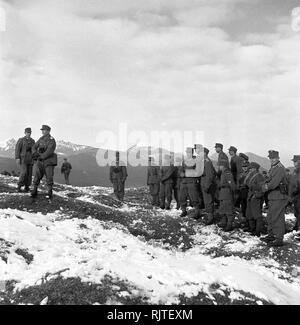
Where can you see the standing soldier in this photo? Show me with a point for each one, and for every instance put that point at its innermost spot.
(255, 199)
(236, 163)
(227, 187)
(189, 189)
(45, 161)
(244, 158)
(221, 154)
(276, 186)
(118, 175)
(243, 194)
(294, 191)
(66, 170)
(208, 186)
(177, 180)
(23, 155)
(153, 181)
(167, 172)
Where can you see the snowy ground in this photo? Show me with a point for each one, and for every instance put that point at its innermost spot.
(133, 253)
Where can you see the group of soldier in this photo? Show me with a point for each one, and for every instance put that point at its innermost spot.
(38, 159)
(234, 184)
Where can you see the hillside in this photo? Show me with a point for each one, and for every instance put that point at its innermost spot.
(87, 248)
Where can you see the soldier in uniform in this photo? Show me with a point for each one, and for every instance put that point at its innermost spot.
(276, 186)
(66, 170)
(118, 175)
(153, 181)
(236, 163)
(23, 155)
(244, 158)
(45, 161)
(208, 187)
(191, 172)
(294, 191)
(255, 199)
(167, 172)
(227, 187)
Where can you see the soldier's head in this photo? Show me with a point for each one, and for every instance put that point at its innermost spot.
(296, 160)
(274, 157)
(45, 129)
(254, 167)
(28, 132)
(244, 157)
(206, 152)
(232, 151)
(245, 166)
(65, 159)
(189, 152)
(219, 147)
(199, 149)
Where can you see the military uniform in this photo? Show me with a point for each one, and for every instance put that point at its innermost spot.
(294, 192)
(166, 186)
(23, 152)
(208, 187)
(226, 196)
(236, 167)
(45, 162)
(276, 187)
(118, 175)
(66, 170)
(255, 201)
(153, 181)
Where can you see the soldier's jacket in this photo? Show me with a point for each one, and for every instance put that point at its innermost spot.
(222, 157)
(118, 171)
(236, 167)
(23, 150)
(45, 147)
(166, 174)
(254, 183)
(209, 176)
(277, 175)
(227, 186)
(294, 186)
(66, 167)
(153, 175)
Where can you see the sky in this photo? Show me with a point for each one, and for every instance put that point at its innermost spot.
(229, 69)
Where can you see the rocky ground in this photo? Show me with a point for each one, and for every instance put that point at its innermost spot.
(84, 247)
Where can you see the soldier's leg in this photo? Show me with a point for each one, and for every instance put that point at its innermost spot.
(156, 194)
(169, 195)
(257, 215)
(183, 196)
(209, 206)
(222, 212)
(121, 188)
(250, 212)
(175, 189)
(162, 196)
(116, 188)
(277, 215)
(229, 208)
(297, 216)
(23, 175)
(38, 171)
(193, 191)
(49, 172)
(29, 176)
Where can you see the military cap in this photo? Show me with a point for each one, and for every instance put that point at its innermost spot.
(206, 151)
(242, 155)
(219, 145)
(296, 158)
(28, 130)
(234, 149)
(224, 163)
(254, 165)
(273, 154)
(46, 127)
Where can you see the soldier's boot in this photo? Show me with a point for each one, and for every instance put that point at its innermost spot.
(247, 228)
(275, 243)
(34, 192)
(196, 214)
(210, 219)
(168, 205)
(223, 222)
(267, 239)
(49, 193)
(183, 213)
(259, 227)
(178, 206)
(229, 225)
(252, 226)
(27, 189)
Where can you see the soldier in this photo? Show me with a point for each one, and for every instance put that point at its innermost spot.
(167, 172)
(276, 186)
(66, 170)
(294, 191)
(208, 187)
(244, 158)
(227, 187)
(23, 155)
(118, 175)
(221, 154)
(177, 181)
(189, 188)
(153, 181)
(236, 163)
(243, 193)
(255, 199)
(45, 161)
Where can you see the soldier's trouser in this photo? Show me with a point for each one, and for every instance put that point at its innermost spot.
(165, 194)
(67, 174)
(297, 215)
(40, 170)
(208, 199)
(189, 190)
(254, 214)
(276, 218)
(25, 175)
(119, 188)
(154, 192)
(176, 195)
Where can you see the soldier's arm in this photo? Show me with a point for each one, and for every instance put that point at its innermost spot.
(124, 173)
(275, 180)
(169, 174)
(198, 172)
(18, 149)
(49, 150)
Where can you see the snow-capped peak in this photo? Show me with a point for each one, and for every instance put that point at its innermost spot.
(7, 144)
